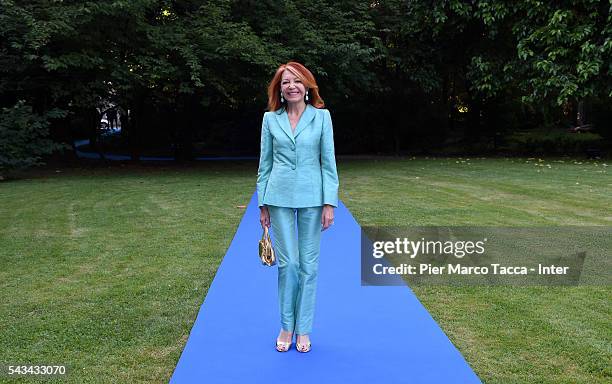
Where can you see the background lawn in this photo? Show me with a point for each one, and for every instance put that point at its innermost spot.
(105, 269)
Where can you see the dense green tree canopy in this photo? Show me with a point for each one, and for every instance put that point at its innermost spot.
(187, 70)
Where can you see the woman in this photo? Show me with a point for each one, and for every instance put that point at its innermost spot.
(297, 180)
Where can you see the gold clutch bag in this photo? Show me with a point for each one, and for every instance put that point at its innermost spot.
(266, 252)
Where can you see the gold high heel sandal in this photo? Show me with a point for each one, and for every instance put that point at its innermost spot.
(302, 348)
(283, 346)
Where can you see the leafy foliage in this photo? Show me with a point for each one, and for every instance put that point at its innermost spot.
(23, 137)
(452, 65)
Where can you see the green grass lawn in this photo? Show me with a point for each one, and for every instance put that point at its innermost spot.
(105, 269)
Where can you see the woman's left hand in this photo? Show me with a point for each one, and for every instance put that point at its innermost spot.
(327, 217)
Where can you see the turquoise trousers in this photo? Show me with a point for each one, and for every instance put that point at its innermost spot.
(298, 263)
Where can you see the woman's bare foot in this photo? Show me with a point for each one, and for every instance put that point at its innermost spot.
(302, 343)
(283, 341)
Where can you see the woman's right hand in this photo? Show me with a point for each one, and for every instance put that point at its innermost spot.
(264, 216)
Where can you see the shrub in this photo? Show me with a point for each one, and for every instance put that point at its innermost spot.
(24, 137)
(551, 141)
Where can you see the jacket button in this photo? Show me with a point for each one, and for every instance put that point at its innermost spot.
(293, 166)
(293, 147)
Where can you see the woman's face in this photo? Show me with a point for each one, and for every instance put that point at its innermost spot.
(292, 88)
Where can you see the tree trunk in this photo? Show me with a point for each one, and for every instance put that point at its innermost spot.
(135, 129)
(580, 117)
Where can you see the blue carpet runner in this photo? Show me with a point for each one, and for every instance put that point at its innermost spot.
(361, 334)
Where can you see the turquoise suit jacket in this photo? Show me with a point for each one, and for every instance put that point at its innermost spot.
(298, 170)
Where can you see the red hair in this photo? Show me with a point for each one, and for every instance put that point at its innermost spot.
(302, 73)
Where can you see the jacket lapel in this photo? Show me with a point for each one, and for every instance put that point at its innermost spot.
(283, 121)
(305, 119)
